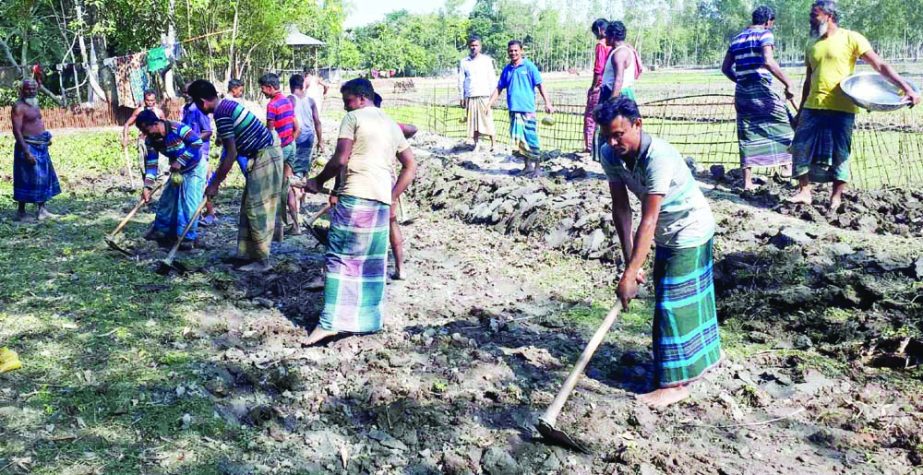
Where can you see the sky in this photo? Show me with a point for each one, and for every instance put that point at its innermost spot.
(364, 12)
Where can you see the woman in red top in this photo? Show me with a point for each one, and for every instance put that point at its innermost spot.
(592, 96)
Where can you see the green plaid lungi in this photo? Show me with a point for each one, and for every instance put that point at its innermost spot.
(524, 134)
(356, 261)
(686, 341)
(764, 132)
(259, 206)
(822, 145)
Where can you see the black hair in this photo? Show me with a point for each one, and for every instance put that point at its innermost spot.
(358, 87)
(473, 38)
(270, 79)
(234, 83)
(201, 89)
(514, 42)
(150, 92)
(377, 100)
(296, 82)
(616, 30)
(829, 7)
(763, 15)
(599, 27)
(615, 107)
(145, 118)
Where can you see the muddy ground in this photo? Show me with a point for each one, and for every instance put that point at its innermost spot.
(507, 278)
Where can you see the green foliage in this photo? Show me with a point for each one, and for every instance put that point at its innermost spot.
(9, 96)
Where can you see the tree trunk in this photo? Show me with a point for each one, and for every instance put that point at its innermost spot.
(171, 38)
(5, 48)
(95, 92)
(231, 62)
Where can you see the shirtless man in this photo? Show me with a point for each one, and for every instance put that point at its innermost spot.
(34, 178)
(150, 103)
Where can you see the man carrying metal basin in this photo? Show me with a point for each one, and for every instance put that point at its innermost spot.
(823, 137)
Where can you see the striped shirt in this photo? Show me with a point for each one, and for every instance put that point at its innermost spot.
(747, 50)
(180, 144)
(234, 121)
(282, 115)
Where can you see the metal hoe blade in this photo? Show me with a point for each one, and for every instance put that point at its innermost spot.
(115, 247)
(559, 437)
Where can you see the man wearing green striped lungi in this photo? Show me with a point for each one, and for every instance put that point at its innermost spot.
(675, 216)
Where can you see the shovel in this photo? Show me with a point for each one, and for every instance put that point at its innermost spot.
(128, 167)
(110, 239)
(321, 238)
(404, 220)
(546, 423)
(167, 264)
(791, 117)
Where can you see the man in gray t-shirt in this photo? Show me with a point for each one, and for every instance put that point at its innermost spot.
(675, 215)
(685, 219)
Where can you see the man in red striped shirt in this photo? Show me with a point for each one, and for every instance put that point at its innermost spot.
(280, 116)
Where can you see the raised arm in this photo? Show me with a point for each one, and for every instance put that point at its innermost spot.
(776, 71)
(806, 88)
(621, 216)
(727, 67)
(228, 159)
(885, 69)
(494, 97)
(128, 123)
(461, 83)
(549, 109)
(408, 172)
(318, 128)
(619, 61)
(628, 285)
(339, 162)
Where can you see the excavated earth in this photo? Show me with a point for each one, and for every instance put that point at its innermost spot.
(822, 321)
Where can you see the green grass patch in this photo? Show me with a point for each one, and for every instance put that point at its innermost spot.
(100, 336)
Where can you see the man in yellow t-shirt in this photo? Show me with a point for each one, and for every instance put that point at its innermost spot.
(357, 252)
(823, 137)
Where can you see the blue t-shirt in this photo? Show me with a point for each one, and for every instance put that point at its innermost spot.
(199, 123)
(520, 83)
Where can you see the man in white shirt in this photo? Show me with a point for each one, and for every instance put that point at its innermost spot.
(477, 79)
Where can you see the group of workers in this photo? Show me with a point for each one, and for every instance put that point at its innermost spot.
(814, 144)
(675, 214)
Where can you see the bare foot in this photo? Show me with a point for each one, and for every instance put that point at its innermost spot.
(536, 172)
(44, 214)
(261, 265)
(318, 335)
(316, 283)
(785, 171)
(802, 197)
(22, 217)
(663, 397)
(835, 204)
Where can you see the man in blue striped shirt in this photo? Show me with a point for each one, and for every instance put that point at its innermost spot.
(241, 132)
(763, 130)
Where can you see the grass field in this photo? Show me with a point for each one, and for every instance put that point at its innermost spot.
(109, 382)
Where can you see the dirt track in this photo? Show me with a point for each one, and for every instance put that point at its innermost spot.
(501, 269)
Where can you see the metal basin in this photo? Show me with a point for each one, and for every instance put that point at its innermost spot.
(873, 92)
